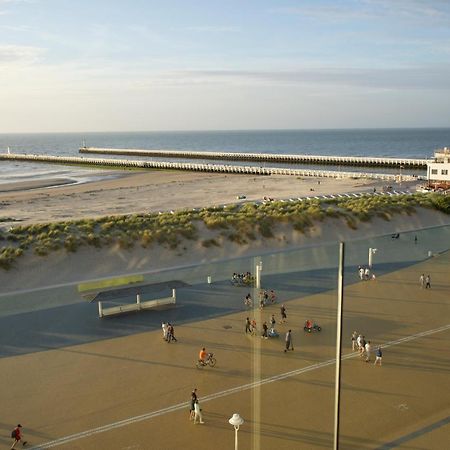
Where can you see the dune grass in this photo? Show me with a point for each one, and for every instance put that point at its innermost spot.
(238, 223)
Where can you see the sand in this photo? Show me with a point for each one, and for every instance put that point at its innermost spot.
(68, 390)
(150, 191)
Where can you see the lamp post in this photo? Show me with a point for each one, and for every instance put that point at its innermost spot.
(400, 177)
(372, 251)
(236, 421)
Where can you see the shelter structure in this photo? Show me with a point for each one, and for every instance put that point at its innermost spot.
(438, 169)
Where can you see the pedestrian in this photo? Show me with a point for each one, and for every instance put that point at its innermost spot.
(164, 330)
(198, 412)
(362, 346)
(354, 337)
(253, 327)
(283, 314)
(16, 434)
(261, 303)
(264, 333)
(361, 273)
(358, 342)
(193, 400)
(248, 326)
(378, 356)
(272, 322)
(366, 273)
(422, 281)
(248, 300)
(289, 344)
(415, 239)
(368, 349)
(428, 282)
(171, 333)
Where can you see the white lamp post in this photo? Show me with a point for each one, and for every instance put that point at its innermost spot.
(236, 421)
(372, 251)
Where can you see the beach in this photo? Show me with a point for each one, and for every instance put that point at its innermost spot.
(130, 192)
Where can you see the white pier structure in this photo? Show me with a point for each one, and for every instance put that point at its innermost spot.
(362, 161)
(199, 167)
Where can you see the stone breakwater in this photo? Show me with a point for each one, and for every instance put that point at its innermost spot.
(361, 161)
(200, 167)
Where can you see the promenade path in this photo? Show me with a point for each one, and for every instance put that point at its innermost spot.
(132, 391)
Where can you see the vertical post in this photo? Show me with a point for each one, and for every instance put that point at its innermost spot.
(370, 257)
(337, 390)
(138, 301)
(236, 438)
(100, 309)
(258, 275)
(174, 295)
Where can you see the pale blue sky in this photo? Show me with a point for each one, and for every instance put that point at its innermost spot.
(105, 65)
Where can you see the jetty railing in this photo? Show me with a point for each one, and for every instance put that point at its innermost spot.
(200, 167)
(362, 161)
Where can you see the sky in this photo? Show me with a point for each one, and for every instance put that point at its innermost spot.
(142, 65)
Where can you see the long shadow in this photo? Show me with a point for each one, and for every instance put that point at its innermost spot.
(78, 323)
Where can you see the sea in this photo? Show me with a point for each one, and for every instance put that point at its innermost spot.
(396, 143)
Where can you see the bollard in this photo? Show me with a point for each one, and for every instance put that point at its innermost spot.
(100, 310)
(209, 279)
(138, 300)
(430, 253)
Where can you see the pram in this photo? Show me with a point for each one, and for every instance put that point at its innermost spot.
(272, 333)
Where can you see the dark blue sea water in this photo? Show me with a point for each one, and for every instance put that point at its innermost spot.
(411, 143)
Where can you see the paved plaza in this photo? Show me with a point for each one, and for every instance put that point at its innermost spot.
(132, 391)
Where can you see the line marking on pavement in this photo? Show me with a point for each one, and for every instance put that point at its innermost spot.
(241, 388)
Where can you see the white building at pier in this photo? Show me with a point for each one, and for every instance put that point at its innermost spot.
(438, 169)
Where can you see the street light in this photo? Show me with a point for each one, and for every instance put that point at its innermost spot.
(236, 421)
(400, 177)
(372, 251)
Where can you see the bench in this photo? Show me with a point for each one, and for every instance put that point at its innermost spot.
(138, 306)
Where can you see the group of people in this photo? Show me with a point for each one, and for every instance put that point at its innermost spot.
(267, 330)
(242, 279)
(195, 412)
(265, 298)
(365, 273)
(425, 281)
(168, 332)
(364, 348)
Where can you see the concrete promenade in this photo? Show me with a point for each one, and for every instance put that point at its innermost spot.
(132, 392)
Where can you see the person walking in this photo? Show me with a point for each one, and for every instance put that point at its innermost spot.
(354, 337)
(272, 322)
(264, 333)
(288, 341)
(362, 346)
(16, 434)
(368, 349)
(283, 314)
(422, 281)
(193, 400)
(171, 333)
(361, 273)
(378, 356)
(248, 326)
(198, 412)
(428, 282)
(253, 327)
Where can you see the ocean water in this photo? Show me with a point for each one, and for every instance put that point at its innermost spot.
(408, 143)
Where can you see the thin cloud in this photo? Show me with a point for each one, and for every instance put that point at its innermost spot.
(213, 29)
(20, 54)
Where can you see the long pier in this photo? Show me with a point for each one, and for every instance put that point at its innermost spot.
(362, 161)
(199, 167)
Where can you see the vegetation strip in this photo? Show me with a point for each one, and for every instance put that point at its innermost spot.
(238, 223)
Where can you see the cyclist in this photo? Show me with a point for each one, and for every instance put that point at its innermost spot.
(202, 356)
